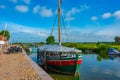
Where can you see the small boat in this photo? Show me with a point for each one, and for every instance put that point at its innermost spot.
(113, 51)
(60, 58)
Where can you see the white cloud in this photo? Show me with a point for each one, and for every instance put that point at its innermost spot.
(36, 9)
(84, 7)
(69, 18)
(27, 1)
(42, 11)
(70, 14)
(25, 33)
(22, 8)
(109, 30)
(117, 14)
(16, 28)
(73, 11)
(94, 18)
(2, 6)
(87, 34)
(14, 1)
(106, 15)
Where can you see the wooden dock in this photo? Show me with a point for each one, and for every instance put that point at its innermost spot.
(18, 66)
(42, 74)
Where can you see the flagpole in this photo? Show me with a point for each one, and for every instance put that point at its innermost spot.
(4, 31)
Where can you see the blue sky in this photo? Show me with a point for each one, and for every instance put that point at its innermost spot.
(85, 20)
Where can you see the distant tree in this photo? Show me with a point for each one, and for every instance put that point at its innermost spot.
(41, 43)
(50, 40)
(117, 39)
(5, 34)
(99, 43)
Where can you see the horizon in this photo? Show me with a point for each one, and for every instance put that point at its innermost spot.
(85, 20)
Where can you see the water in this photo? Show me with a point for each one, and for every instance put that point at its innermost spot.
(92, 68)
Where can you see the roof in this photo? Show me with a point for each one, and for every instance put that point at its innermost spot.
(1, 37)
(57, 48)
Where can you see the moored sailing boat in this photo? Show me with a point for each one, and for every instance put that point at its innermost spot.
(60, 58)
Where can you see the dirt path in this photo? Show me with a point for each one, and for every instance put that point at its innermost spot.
(16, 67)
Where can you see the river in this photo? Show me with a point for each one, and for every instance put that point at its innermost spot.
(92, 68)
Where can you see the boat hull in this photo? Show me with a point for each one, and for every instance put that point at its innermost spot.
(65, 66)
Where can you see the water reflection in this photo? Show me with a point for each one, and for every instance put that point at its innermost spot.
(102, 56)
(93, 69)
(76, 76)
(113, 57)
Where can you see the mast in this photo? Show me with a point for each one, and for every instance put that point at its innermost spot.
(59, 37)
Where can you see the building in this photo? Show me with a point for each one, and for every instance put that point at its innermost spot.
(3, 42)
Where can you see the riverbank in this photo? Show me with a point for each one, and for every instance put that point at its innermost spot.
(15, 66)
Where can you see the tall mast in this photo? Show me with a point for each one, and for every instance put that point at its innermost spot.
(59, 37)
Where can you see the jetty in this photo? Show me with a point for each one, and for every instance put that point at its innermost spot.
(18, 66)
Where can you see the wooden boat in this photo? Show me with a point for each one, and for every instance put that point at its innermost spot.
(60, 58)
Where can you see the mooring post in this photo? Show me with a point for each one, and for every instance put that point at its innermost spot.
(45, 67)
(38, 54)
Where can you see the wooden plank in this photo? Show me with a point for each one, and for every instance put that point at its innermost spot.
(42, 74)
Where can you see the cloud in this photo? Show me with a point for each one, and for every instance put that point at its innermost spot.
(25, 33)
(94, 18)
(88, 34)
(117, 14)
(22, 8)
(2, 6)
(27, 1)
(42, 11)
(14, 1)
(106, 15)
(109, 30)
(24, 1)
(94, 33)
(73, 11)
(25, 29)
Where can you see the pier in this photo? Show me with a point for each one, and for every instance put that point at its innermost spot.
(18, 66)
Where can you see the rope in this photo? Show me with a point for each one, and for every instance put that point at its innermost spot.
(65, 28)
(53, 26)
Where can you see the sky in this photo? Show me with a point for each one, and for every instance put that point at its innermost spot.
(81, 20)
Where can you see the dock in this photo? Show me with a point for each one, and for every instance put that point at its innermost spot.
(19, 66)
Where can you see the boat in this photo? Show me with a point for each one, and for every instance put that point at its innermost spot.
(59, 58)
(113, 51)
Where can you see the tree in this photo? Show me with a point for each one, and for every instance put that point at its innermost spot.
(117, 39)
(99, 44)
(50, 40)
(5, 34)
